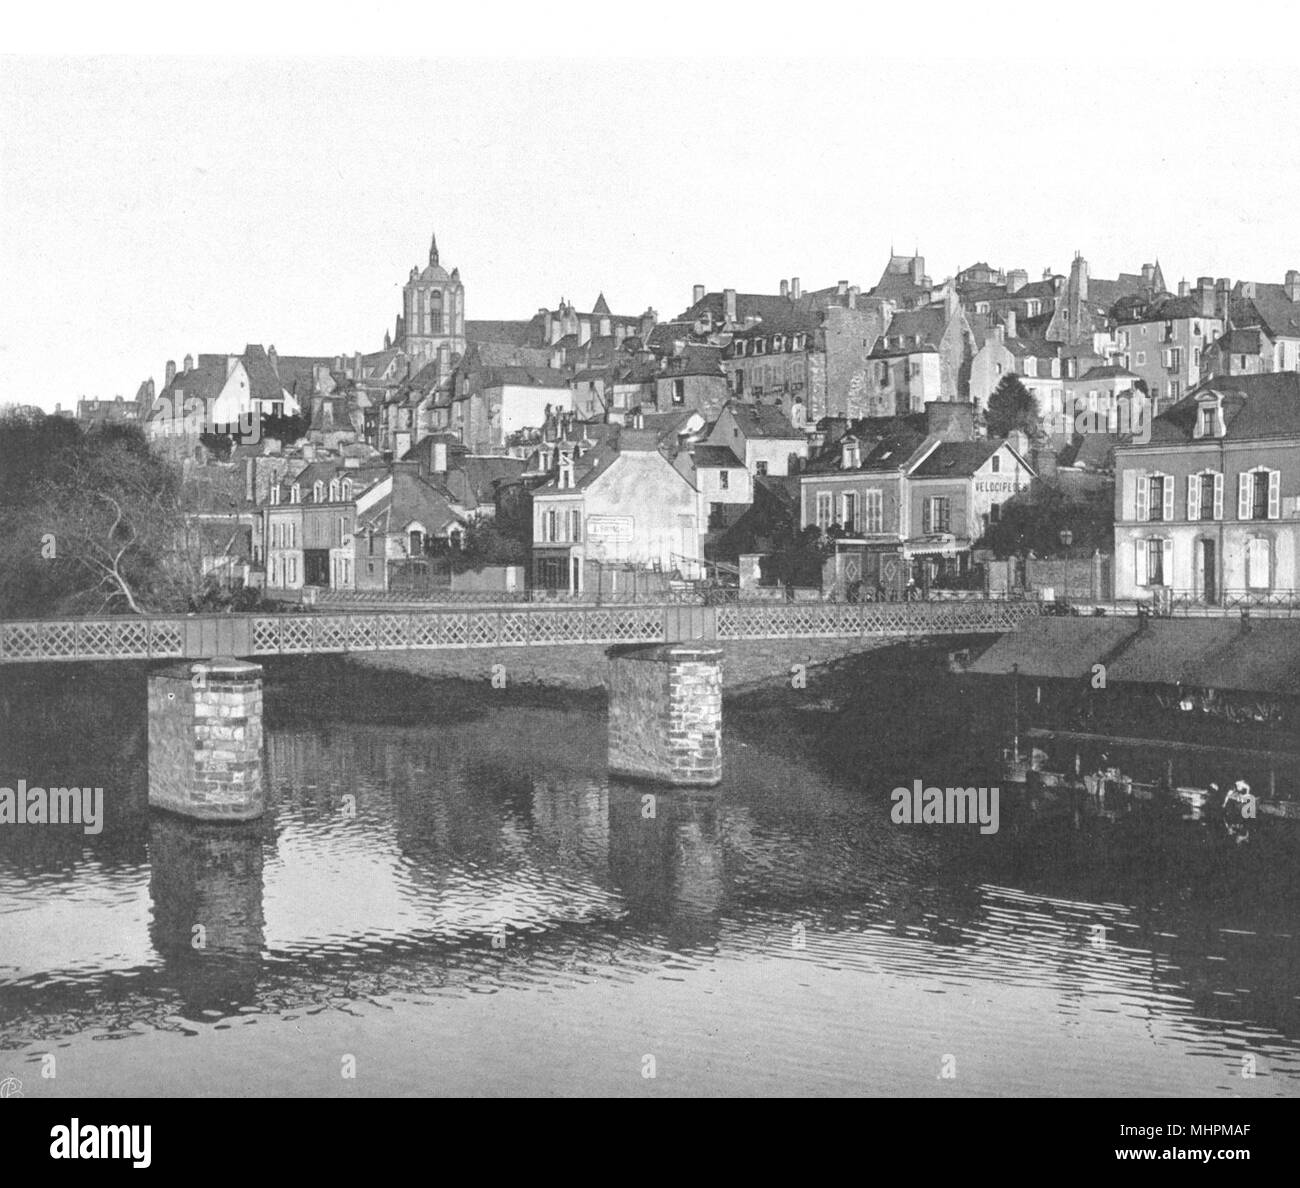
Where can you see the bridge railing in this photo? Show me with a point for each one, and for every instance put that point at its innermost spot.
(200, 636)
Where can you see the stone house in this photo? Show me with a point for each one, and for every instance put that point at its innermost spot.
(620, 507)
(1210, 506)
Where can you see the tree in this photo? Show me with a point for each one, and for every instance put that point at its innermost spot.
(1035, 520)
(1012, 406)
(92, 521)
(487, 543)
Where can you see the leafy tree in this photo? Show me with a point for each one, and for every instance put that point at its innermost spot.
(798, 557)
(1012, 406)
(91, 521)
(1034, 521)
(487, 543)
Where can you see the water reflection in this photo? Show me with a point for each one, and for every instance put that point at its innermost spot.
(206, 885)
(404, 864)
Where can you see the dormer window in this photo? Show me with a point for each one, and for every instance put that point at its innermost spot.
(1209, 417)
(850, 453)
(295, 494)
(334, 490)
(275, 495)
(345, 489)
(318, 492)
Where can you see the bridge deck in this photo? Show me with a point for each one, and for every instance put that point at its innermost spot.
(164, 637)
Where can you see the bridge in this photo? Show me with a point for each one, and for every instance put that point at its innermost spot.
(665, 679)
(203, 636)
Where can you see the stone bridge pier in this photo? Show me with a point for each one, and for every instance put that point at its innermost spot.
(205, 740)
(665, 713)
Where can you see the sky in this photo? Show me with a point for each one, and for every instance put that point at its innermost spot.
(154, 205)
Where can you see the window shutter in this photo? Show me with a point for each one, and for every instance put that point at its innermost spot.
(1243, 496)
(925, 517)
(1141, 497)
(1140, 562)
(1193, 496)
(1218, 496)
(1167, 563)
(1274, 494)
(1168, 487)
(1128, 490)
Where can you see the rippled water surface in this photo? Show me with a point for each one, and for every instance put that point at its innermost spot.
(453, 894)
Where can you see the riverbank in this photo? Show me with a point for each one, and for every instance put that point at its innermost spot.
(746, 664)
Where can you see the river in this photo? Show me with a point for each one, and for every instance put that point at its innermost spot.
(449, 895)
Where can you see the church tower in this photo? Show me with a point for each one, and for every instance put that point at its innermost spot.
(433, 311)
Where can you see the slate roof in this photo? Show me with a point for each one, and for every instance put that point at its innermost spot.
(926, 325)
(890, 452)
(511, 333)
(1105, 371)
(1254, 407)
(1065, 649)
(1033, 348)
(1248, 341)
(773, 311)
(1271, 308)
(763, 420)
(716, 456)
(412, 498)
(956, 459)
(1168, 310)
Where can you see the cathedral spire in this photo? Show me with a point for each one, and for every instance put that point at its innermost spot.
(433, 251)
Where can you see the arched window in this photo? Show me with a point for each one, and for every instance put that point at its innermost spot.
(295, 494)
(346, 489)
(318, 491)
(435, 312)
(334, 490)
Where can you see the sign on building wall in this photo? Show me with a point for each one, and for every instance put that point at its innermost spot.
(614, 529)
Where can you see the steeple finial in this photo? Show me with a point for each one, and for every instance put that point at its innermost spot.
(433, 251)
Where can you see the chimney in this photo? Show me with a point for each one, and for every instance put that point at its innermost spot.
(697, 295)
(170, 373)
(785, 288)
(729, 305)
(1205, 295)
(1292, 285)
(1148, 274)
(189, 363)
(439, 457)
(918, 270)
(841, 288)
(1010, 319)
(270, 354)
(853, 296)
(795, 291)
(1017, 279)
(1183, 290)
(1222, 291)
(951, 420)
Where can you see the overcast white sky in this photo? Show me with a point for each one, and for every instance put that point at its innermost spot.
(154, 206)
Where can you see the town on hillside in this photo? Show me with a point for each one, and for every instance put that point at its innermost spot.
(998, 431)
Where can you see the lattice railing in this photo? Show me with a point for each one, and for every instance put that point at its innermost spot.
(304, 634)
